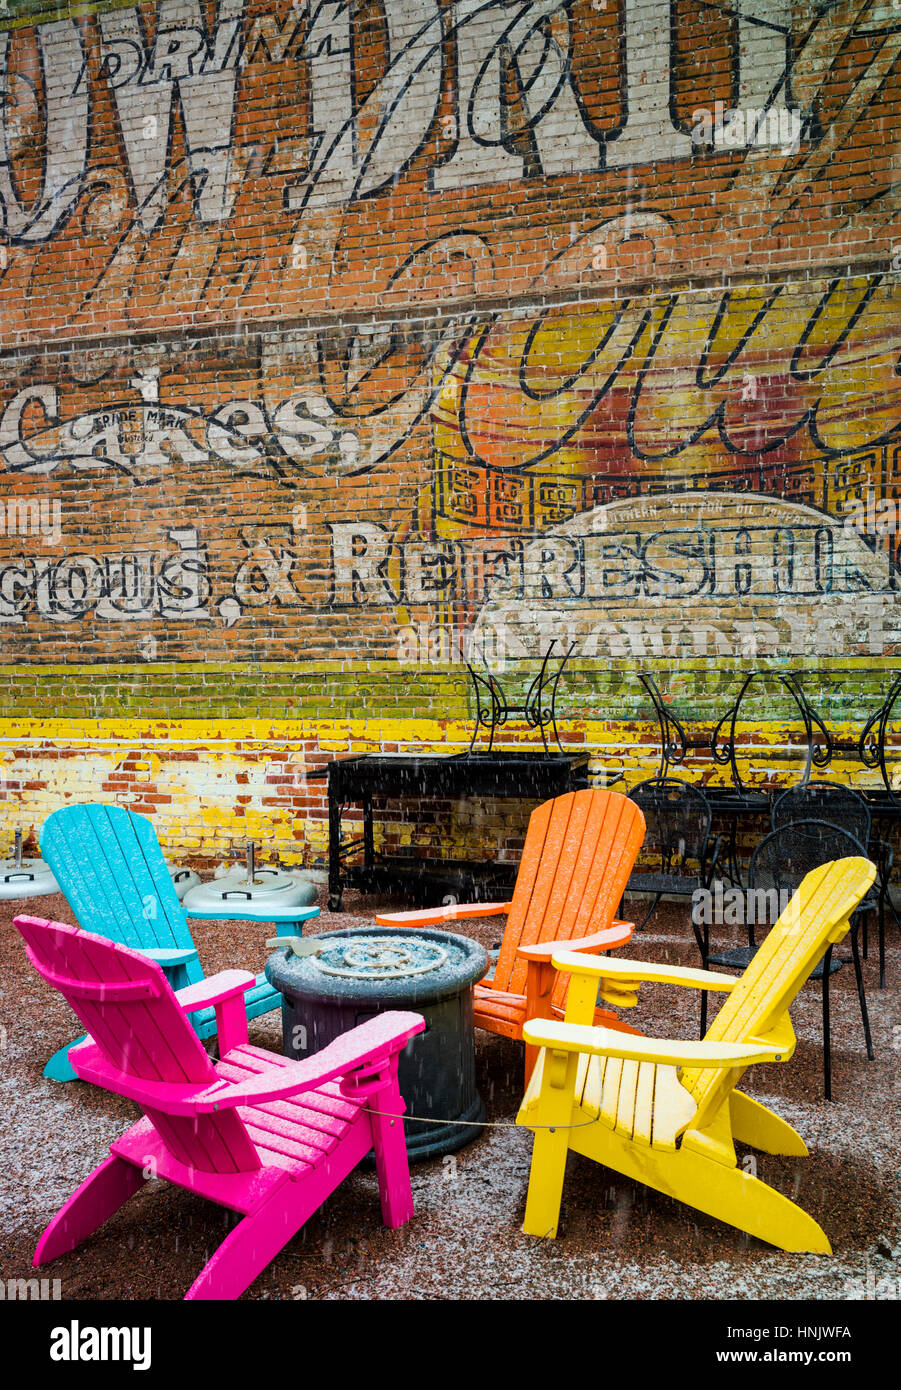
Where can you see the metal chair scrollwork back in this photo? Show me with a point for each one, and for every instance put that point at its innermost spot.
(538, 710)
(816, 735)
(778, 865)
(871, 747)
(674, 742)
(844, 807)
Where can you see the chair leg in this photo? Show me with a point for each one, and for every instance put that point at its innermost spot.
(59, 1068)
(750, 1205)
(864, 1014)
(391, 1162)
(705, 953)
(252, 1245)
(734, 871)
(552, 1119)
(546, 1183)
(754, 1124)
(100, 1195)
(882, 941)
(827, 1037)
(701, 940)
(650, 912)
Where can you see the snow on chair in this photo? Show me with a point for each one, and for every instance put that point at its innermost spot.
(256, 1133)
(666, 1112)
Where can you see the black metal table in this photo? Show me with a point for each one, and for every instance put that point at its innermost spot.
(527, 775)
(732, 805)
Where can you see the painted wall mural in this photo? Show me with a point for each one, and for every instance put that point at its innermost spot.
(326, 326)
(305, 505)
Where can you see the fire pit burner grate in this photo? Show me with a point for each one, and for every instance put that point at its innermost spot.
(380, 958)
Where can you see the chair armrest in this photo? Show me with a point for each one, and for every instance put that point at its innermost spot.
(453, 912)
(617, 934)
(603, 1042)
(627, 972)
(167, 956)
(215, 990)
(370, 1043)
(246, 914)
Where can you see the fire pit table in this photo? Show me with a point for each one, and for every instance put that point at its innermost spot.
(365, 971)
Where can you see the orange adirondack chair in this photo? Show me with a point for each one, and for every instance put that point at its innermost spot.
(579, 852)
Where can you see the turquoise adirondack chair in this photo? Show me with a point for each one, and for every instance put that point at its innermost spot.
(109, 864)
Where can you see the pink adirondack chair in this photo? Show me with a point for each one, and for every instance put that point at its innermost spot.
(265, 1136)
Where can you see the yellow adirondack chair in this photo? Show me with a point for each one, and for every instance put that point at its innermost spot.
(666, 1113)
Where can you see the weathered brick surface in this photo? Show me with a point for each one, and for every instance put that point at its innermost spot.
(338, 346)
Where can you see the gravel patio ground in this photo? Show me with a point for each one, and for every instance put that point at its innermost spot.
(617, 1239)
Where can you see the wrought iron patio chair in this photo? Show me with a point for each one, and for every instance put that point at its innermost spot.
(538, 708)
(815, 747)
(875, 749)
(677, 841)
(763, 697)
(845, 807)
(778, 865)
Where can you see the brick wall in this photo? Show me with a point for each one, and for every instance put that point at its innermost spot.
(339, 345)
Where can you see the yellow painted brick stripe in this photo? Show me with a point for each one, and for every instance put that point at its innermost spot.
(370, 730)
(20, 16)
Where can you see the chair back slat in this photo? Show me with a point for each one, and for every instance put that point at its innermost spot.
(818, 915)
(579, 852)
(140, 1036)
(614, 835)
(151, 1038)
(109, 864)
